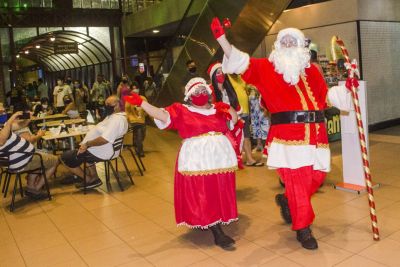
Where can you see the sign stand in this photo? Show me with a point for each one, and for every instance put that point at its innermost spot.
(353, 172)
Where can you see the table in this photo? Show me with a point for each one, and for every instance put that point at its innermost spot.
(50, 117)
(70, 135)
(58, 123)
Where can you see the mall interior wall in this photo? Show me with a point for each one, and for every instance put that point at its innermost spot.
(371, 32)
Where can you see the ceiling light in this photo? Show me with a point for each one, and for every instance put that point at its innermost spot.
(26, 52)
(52, 39)
(37, 46)
(156, 31)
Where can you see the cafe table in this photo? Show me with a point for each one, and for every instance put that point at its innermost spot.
(58, 123)
(71, 134)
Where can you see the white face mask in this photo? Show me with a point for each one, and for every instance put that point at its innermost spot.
(59, 83)
(136, 91)
(44, 106)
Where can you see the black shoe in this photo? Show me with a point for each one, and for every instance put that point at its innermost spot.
(282, 201)
(220, 238)
(141, 154)
(307, 240)
(71, 179)
(36, 196)
(91, 185)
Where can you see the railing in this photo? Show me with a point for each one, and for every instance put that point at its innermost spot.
(26, 3)
(101, 4)
(132, 6)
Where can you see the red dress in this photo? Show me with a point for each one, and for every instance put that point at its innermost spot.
(205, 192)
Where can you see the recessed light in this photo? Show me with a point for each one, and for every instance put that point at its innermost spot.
(52, 39)
(17, 56)
(37, 46)
(156, 31)
(26, 51)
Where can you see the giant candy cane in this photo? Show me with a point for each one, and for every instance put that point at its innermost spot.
(353, 71)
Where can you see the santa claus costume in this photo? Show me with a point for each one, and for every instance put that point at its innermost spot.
(205, 194)
(295, 94)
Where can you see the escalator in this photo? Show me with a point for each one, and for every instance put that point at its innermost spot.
(251, 20)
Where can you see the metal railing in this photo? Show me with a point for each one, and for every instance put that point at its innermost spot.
(26, 3)
(132, 6)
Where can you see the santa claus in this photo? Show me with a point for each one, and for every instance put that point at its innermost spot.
(295, 94)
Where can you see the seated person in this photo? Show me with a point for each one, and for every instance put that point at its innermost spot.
(70, 108)
(136, 118)
(43, 107)
(97, 144)
(12, 143)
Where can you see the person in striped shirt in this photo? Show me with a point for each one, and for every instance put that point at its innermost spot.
(22, 157)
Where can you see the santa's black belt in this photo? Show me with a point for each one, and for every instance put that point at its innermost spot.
(306, 116)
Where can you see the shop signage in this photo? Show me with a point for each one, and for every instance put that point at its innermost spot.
(333, 123)
(66, 48)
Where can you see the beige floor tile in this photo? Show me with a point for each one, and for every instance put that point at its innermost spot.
(137, 230)
(325, 255)
(37, 243)
(12, 261)
(248, 254)
(137, 263)
(207, 263)
(110, 211)
(359, 261)
(350, 239)
(123, 219)
(96, 242)
(112, 256)
(9, 250)
(51, 256)
(79, 232)
(71, 263)
(176, 253)
(280, 262)
(152, 243)
(385, 251)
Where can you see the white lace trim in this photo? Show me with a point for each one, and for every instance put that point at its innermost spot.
(207, 226)
(208, 111)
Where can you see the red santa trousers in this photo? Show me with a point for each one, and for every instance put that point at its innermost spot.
(300, 185)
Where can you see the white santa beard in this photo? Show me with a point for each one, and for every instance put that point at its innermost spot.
(290, 62)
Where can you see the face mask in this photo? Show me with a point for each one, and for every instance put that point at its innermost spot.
(109, 110)
(59, 83)
(125, 81)
(44, 106)
(136, 91)
(69, 81)
(76, 85)
(220, 78)
(200, 100)
(192, 69)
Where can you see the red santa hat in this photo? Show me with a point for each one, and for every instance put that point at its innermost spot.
(293, 32)
(213, 68)
(193, 84)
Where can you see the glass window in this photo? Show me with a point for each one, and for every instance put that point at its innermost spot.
(96, 3)
(102, 35)
(5, 44)
(77, 3)
(23, 35)
(76, 29)
(49, 29)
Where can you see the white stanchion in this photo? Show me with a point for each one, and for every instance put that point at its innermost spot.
(353, 172)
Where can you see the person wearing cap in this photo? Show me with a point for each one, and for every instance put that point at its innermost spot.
(205, 195)
(295, 93)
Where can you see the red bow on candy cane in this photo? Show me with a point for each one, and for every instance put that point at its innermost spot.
(354, 73)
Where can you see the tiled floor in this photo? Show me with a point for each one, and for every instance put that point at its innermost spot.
(136, 227)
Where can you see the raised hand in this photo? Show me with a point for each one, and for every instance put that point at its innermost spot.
(217, 28)
(134, 99)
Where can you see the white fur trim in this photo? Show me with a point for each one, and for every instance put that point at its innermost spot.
(237, 62)
(214, 68)
(206, 153)
(162, 125)
(297, 156)
(340, 97)
(193, 84)
(208, 225)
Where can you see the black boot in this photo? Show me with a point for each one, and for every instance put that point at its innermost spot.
(282, 201)
(307, 240)
(220, 238)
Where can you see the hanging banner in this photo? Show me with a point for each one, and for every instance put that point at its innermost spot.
(66, 48)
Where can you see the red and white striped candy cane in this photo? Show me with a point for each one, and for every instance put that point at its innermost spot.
(353, 71)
